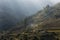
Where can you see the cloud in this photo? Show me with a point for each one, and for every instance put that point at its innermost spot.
(55, 1)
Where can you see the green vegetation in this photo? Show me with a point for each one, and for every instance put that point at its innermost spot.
(32, 35)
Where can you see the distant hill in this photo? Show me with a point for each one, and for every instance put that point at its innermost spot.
(48, 18)
(8, 18)
(30, 27)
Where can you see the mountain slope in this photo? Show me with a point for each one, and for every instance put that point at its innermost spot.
(48, 18)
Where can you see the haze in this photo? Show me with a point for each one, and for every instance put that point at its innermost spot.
(12, 11)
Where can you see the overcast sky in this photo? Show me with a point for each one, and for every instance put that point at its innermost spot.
(18, 9)
(26, 7)
(55, 1)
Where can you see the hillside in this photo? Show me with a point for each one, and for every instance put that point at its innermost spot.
(48, 18)
(30, 27)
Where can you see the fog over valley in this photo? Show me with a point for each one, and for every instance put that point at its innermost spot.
(12, 11)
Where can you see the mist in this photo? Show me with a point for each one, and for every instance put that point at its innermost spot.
(12, 11)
